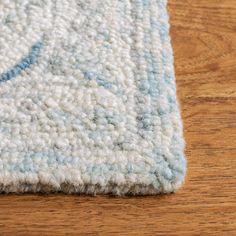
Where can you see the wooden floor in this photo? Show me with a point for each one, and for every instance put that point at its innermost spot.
(204, 40)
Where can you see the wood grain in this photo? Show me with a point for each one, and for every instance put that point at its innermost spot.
(204, 40)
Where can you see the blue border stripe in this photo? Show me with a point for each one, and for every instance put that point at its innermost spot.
(23, 64)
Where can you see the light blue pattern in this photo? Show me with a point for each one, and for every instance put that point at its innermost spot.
(25, 63)
(121, 135)
(98, 78)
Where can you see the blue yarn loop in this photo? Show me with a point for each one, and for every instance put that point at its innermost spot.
(25, 63)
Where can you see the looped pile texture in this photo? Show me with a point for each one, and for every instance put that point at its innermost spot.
(88, 98)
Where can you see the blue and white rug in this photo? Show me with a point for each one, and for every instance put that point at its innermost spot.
(88, 98)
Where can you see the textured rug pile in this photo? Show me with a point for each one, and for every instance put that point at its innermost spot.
(88, 98)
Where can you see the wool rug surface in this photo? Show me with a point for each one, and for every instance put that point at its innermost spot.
(88, 98)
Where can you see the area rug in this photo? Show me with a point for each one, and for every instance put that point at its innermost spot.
(88, 98)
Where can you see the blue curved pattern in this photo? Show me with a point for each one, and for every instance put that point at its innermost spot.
(30, 59)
